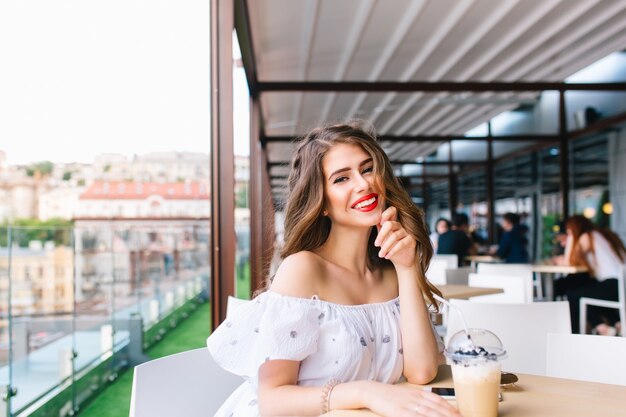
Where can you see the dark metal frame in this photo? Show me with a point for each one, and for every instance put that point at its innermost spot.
(440, 138)
(222, 160)
(425, 86)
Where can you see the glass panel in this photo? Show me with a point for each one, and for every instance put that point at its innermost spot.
(241, 148)
(94, 335)
(41, 305)
(590, 178)
(5, 330)
(550, 202)
(150, 272)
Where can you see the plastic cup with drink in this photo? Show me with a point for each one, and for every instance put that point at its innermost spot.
(474, 356)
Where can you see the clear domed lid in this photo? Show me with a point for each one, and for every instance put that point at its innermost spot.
(480, 343)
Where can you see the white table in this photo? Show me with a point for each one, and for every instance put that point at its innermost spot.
(550, 271)
(465, 291)
(490, 259)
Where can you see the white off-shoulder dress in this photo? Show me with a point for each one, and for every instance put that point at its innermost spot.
(348, 342)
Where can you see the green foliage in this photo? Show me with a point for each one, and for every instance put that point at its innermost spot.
(243, 283)
(67, 175)
(241, 197)
(43, 168)
(24, 231)
(548, 241)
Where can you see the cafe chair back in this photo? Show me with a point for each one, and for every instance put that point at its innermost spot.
(458, 276)
(620, 304)
(185, 384)
(587, 358)
(515, 288)
(189, 384)
(521, 270)
(439, 264)
(522, 328)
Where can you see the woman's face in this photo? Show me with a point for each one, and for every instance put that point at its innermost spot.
(441, 227)
(349, 187)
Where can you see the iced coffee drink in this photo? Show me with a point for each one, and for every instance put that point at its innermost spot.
(475, 361)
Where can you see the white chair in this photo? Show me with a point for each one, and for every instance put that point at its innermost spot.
(458, 276)
(519, 270)
(515, 288)
(587, 358)
(452, 260)
(436, 272)
(522, 328)
(620, 304)
(186, 384)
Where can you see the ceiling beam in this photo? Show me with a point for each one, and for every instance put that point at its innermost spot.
(246, 45)
(438, 138)
(439, 86)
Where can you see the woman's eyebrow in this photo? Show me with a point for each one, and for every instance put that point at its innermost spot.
(365, 162)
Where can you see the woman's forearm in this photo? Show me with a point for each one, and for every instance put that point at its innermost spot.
(420, 350)
(307, 401)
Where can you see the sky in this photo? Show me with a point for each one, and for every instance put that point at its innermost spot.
(83, 77)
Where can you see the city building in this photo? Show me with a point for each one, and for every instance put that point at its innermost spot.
(126, 200)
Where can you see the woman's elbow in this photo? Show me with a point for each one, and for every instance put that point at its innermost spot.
(423, 375)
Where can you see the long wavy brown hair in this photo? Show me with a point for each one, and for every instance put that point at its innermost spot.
(579, 225)
(305, 226)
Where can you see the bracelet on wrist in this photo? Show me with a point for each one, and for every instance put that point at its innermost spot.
(326, 391)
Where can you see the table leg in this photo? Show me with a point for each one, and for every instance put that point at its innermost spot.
(538, 284)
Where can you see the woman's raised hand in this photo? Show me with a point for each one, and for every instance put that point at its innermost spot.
(408, 401)
(395, 243)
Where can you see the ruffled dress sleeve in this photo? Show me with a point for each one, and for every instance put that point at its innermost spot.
(271, 326)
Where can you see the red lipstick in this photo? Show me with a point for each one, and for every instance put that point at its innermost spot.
(371, 206)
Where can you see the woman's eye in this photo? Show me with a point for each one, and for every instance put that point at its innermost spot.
(368, 170)
(339, 179)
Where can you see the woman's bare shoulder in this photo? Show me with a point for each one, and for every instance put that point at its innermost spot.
(299, 275)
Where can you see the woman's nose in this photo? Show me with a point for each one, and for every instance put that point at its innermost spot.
(361, 183)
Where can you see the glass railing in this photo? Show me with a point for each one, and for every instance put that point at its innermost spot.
(78, 304)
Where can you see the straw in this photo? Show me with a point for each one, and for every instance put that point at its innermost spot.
(460, 313)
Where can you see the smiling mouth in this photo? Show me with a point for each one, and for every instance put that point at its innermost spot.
(367, 203)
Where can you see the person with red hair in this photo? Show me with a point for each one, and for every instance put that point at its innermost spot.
(601, 252)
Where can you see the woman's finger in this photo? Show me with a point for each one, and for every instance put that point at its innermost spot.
(384, 231)
(391, 242)
(402, 244)
(390, 214)
(438, 404)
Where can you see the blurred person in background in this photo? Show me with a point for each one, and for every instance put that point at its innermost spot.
(457, 241)
(602, 252)
(512, 247)
(442, 225)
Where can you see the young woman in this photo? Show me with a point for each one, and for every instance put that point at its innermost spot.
(346, 315)
(442, 225)
(601, 252)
